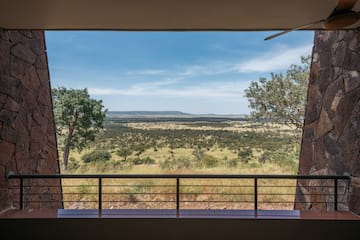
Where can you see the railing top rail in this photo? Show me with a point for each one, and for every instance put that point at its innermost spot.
(174, 176)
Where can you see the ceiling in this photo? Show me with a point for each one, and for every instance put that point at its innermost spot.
(164, 14)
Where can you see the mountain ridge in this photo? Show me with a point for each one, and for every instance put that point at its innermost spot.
(142, 113)
(167, 114)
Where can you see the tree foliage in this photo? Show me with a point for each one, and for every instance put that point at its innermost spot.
(78, 118)
(96, 156)
(281, 98)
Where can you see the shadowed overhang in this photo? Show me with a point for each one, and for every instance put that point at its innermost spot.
(164, 14)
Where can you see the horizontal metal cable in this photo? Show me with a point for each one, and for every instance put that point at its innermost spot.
(173, 176)
(228, 189)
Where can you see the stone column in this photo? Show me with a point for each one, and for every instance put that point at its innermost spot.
(27, 129)
(331, 135)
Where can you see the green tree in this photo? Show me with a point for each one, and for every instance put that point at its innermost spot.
(78, 118)
(282, 98)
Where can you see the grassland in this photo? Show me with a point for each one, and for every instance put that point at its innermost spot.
(201, 147)
(226, 147)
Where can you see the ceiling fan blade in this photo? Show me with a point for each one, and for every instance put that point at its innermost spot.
(345, 5)
(277, 34)
(293, 29)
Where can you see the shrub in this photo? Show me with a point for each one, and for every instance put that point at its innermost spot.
(139, 161)
(210, 161)
(232, 162)
(199, 154)
(96, 155)
(124, 153)
(148, 160)
(136, 161)
(177, 163)
(254, 165)
(73, 164)
(207, 161)
(283, 159)
(245, 155)
(265, 157)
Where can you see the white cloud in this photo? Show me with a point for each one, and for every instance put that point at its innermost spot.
(221, 89)
(165, 82)
(207, 69)
(276, 59)
(148, 72)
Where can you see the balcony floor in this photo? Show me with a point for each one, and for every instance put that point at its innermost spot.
(182, 214)
(187, 224)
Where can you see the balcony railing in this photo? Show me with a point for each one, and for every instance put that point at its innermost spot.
(189, 191)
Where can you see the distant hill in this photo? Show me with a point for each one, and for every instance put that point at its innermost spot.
(146, 113)
(169, 116)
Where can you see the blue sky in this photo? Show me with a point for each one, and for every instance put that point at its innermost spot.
(193, 72)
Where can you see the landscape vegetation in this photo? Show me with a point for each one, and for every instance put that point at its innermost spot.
(266, 142)
(242, 146)
(182, 147)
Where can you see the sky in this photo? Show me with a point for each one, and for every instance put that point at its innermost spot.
(192, 72)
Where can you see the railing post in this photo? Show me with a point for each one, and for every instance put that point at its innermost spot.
(100, 195)
(177, 195)
(335, 194)
(21, 202)
(255, 193)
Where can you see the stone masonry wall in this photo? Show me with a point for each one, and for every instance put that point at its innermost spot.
(331, 135)
(27, 130)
